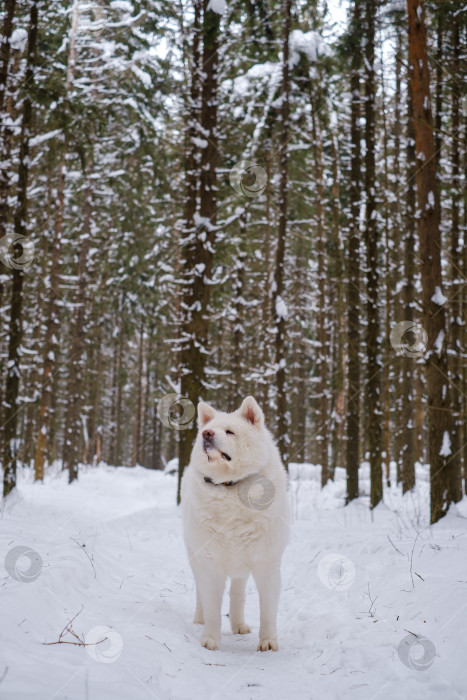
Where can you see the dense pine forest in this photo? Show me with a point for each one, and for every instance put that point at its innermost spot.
(203, 199)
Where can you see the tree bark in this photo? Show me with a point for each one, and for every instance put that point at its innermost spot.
(73, 425)
(239, 311)
(5, 49)
(52, 321)
(117, 460)
(457, 320)
(322, 437)
(139, 402)
(373, 385)
(278, 301)
(336, 273)
(353, 271)
(51, 332)
(409, 368)
(199, 224)
(388, 365)
(443, 463)
(7, 115)
(10, 446)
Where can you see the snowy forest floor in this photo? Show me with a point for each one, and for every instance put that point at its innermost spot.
(113, 557)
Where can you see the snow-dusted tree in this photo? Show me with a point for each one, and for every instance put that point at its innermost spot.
(10, 437)
(353, 264)
(279, 308)
(52, 320)
(200, 217)
(373, 383)
(455, 258)
(444, 474)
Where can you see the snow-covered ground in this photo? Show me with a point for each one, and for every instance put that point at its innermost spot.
(373, 605)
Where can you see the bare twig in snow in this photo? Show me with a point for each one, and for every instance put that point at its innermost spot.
(372, 601)
(68, 629)
(82, 547)
(208, 664)
(397, 550)
(413, 633)
(411, 556)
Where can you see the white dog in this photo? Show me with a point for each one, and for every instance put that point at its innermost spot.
(236, 519)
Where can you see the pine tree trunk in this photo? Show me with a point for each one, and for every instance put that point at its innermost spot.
(10, 446)
(8, 115)
(443, 464)
(267, 289)
(397, 255)
(200, 230)
(117, 453)
(7, 103)
(5, 130)
(7, 30)
(156, 461)
(353, 272)
(457, 320)
(322, 360)
(388, 365)
(51, 331)
(146, 426)
(52, 321)
(373, 385)
(238, 329)
(115, 409)
(94, 371)
(139, 401)
(191, 389)
(339, 357)
(439, 100)
(32, 385)
(278, 302)
(409, 368)
(298, 390)
(54, 411)
(73, 426)
(464, 306)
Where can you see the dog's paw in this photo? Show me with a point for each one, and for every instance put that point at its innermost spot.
(210, 643)
(268, 644)
(240, 628)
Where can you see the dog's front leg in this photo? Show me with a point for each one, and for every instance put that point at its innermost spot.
(199, 617)
(211, 590)
(237, 605)
(267, 577)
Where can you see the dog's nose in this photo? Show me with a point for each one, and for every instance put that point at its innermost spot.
(208, 434)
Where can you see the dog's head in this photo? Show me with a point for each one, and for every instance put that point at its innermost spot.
(229, 446)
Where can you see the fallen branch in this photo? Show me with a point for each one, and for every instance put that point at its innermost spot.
(413, 633)
(68, 629)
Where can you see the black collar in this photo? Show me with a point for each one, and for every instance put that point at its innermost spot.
(208, 480)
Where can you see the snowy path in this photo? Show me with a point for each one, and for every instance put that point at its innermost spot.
(334, 643)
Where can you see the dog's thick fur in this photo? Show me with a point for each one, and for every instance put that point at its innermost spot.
(236, 519)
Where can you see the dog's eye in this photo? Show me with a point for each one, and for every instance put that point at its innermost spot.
(229, 432)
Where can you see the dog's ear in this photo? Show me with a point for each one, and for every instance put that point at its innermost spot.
(252, 412)
(205, 413)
